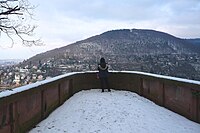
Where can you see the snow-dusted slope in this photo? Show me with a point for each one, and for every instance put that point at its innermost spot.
(113, 112)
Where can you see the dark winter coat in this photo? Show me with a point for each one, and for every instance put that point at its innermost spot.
(103, 70)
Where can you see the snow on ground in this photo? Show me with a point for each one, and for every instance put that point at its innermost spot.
(113, 112)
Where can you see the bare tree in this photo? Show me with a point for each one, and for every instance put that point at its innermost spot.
(15, 21)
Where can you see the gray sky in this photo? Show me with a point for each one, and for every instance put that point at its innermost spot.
(61, 22)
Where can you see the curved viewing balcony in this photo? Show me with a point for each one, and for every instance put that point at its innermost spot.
(24, 107)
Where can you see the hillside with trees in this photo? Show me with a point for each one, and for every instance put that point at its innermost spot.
(127, 49)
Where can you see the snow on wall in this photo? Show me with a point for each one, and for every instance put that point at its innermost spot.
(164, 77)
(9, 92)
(6, 93)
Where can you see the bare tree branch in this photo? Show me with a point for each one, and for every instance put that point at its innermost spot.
(11, 11)
(14, 21)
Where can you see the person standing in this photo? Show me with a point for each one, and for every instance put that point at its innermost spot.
(103, 74)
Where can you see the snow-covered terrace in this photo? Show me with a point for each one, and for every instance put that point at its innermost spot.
(89, 110)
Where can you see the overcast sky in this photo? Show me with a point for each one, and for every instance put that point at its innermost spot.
(61, 22)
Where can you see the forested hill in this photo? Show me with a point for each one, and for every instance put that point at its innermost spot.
(129, 49)
(195, 41)
(122, 42)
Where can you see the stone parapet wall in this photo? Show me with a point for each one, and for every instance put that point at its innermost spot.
(22, 110)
